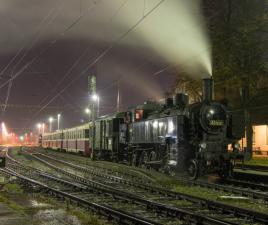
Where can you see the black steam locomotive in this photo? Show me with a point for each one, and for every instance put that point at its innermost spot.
(174, 137)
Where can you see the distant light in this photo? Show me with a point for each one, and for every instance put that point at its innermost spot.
(95, 97)
(211, 111)
(50, 119)
(4, 129)
(87, 111)
(59, 115)
(21, 137)
(39, 125)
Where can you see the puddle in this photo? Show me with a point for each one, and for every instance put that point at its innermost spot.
(54, 217)
(36, 204)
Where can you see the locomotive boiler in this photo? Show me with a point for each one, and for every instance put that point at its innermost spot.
(182, 137)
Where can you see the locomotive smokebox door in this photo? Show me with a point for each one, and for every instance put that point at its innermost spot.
(2, 162)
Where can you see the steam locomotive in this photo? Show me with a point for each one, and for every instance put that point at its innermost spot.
(176, 137)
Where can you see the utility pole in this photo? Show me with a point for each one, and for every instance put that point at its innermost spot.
(92, 106)
(92, 92)
(118, 98)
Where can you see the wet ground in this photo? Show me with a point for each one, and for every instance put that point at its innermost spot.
(20, 209)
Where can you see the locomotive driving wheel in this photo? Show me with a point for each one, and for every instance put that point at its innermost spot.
(193, 169)
(143, 160)
(152, 157)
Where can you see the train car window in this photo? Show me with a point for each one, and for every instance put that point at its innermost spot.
(83, 133)
(87, 133)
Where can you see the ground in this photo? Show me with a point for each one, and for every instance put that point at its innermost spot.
(18, 207)
(42, 210)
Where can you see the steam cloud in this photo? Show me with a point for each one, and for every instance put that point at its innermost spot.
(175, 31)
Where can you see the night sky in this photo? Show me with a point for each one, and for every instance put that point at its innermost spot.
(50, 47)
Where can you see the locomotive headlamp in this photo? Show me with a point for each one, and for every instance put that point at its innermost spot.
(237, 145)
(203, 145)
(211, 111)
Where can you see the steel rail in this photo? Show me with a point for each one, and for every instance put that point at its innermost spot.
(256, 216)
(159, 207)
(119, 216)
(252, 167)
(236, 190)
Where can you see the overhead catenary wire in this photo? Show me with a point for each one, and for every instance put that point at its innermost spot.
(31, 44)
(14, 58)
(105, 52)
(165, 68)
(82, 55)
(23, 68)
(55, 88)
(49, 84)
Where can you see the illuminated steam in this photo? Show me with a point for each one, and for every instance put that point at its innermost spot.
(176, 32)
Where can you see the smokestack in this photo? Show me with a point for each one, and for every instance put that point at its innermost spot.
(208, 89)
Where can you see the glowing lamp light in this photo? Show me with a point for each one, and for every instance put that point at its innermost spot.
(87, 111)
(4, 129)
(21, 137)
(50, 119)
(95, 97)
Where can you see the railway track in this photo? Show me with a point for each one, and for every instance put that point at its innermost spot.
(73, 191)
(117, 215)
(252, 167)
(165, 214)
(242, 188)
(218, 210)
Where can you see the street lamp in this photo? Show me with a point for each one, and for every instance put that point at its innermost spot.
(87, 111)
(59, 115)
(96, 98)
(50, 120)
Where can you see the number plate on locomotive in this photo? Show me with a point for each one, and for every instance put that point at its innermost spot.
(216, 123)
